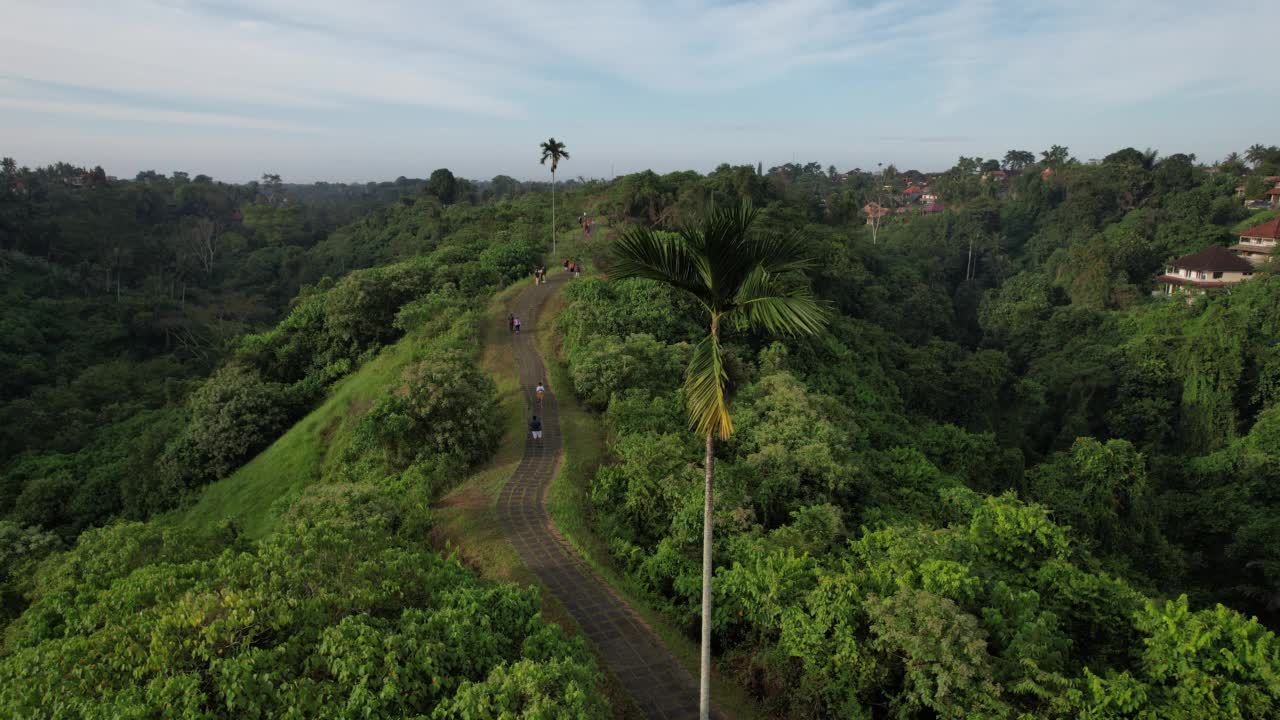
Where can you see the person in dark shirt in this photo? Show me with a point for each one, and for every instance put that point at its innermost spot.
(535, 428)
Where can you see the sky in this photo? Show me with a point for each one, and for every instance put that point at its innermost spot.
(372, 90)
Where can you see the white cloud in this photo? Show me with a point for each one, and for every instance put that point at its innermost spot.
(488, 74)
(1125, 52)
(147, 115)
(143, 48)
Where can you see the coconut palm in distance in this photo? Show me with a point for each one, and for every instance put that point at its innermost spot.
(1255, 154)
(554, 151)
(741, 280)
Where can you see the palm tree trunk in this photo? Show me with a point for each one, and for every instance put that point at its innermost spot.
(553, 214)
(704, 687)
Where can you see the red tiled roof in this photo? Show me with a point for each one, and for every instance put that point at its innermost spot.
(1274, 191)
(1269, 229)
(1214, 258)
(912, 189)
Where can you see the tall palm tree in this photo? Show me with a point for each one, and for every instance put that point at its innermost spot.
(741, 280)
(554, 151)
(1255, 154)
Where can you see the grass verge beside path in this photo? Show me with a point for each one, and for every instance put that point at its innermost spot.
(570, 508)
(465, 518)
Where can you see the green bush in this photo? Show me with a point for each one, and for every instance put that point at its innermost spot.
(442, 417)
(233, 415)
(341, 613)
(606, 364)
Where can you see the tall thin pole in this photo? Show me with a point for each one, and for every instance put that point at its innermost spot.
(553, 211)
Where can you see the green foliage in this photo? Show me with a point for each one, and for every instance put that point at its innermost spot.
(338, 614)
(233, 415)
(441, 416)
(123, 437)
(605, 365)
(21, 550)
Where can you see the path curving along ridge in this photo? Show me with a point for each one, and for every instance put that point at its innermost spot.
(660, 686)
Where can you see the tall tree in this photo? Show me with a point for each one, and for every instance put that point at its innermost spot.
(741, 279)
(1256, 153)
(443, 185)
(1017, 159)
(554, 151)
(1055, 156)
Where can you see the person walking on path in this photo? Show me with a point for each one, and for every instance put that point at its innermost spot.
(515, 325)
(511, 322)
(541, 391)
(535, 428)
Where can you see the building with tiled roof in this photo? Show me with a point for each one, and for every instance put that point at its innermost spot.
(1258, 243)
(1212, 268)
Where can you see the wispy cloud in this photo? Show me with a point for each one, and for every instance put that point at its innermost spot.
(692, 75)
(177, 52)
(148, 115)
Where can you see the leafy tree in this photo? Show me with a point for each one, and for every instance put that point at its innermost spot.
(233, 415)
(1016, 160)
(442, 416)
(739, 280)
(1055, 156)
(443, 185)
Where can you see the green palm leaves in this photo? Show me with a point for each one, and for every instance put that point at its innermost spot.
(740, 278)
(554, 151)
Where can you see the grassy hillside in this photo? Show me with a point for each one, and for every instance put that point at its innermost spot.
(256, 495)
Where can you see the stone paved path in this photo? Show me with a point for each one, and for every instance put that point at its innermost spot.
(658, 683)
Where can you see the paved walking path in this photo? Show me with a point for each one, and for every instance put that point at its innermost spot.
(658, 683)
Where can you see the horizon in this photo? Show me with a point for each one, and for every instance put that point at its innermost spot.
(331, 92)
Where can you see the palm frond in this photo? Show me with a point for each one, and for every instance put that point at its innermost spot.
(724, 236)
(780, 303)
(780, 254)
(665, 257)
(706, 387)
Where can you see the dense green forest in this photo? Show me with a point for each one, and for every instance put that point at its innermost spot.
(343, 609)
(1004, 481)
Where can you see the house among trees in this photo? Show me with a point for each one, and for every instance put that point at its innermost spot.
(1212, 268)
(1258, 242)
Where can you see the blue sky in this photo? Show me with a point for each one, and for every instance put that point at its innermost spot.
(356, 91)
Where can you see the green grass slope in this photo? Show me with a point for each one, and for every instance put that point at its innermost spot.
(251, 496)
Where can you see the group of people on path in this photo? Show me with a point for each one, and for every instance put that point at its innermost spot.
(586, 222)
(573, 266)
(539, 276)
(513, 323)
